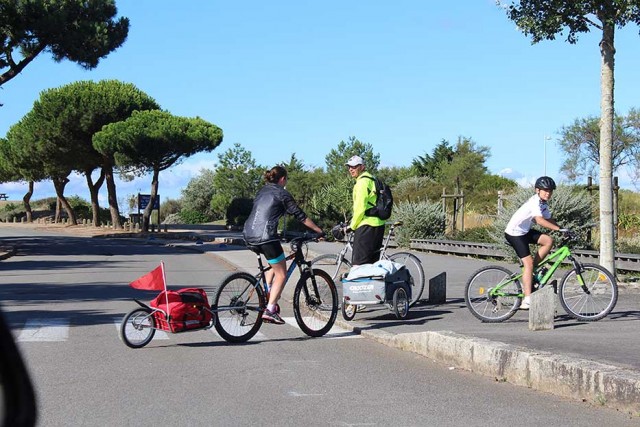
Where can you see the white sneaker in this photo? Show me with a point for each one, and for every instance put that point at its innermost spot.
(525, 305)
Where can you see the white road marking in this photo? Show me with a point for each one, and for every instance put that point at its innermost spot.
(44, 330)
(336, 332)
(259, 336)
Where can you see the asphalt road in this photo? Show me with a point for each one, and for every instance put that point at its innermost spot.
(64, 297)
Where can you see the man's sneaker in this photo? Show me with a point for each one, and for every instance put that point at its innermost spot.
(525, 305)
(271, 317)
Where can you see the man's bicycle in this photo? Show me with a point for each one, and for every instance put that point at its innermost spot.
(338, 264)
(242, 297)
(587, 291)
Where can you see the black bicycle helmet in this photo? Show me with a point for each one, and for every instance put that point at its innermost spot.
(545, 183)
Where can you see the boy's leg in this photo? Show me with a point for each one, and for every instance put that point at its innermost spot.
(527, 274)
(545, 243)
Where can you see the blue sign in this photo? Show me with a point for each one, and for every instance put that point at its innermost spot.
(143, 201)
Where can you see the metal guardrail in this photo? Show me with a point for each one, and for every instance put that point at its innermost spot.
(627, 262)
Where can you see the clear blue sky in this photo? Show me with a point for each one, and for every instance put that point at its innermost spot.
(300, 76)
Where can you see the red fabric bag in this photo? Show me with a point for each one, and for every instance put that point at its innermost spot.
(188, 309)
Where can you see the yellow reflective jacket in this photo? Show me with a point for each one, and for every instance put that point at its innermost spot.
(364, 197)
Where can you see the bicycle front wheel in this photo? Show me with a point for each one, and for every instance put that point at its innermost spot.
(591, 300)
(492, 295)
(238, 307)
(138, 328)
(315, 303)
(414, 265)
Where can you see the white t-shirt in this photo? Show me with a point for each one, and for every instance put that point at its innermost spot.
(521, 221)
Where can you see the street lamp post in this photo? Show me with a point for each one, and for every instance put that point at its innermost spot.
(546, 138)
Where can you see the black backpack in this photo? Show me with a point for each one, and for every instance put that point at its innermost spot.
(384, 200)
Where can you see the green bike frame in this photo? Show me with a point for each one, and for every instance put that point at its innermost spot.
(559, 256)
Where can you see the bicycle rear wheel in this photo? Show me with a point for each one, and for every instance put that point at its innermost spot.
(414, 265)
(493, 308)
(238, 307)
(592, 301)
(315, 303)
(138, 328)
(335, 267)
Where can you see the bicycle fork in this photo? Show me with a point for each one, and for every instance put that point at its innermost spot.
(577, 267)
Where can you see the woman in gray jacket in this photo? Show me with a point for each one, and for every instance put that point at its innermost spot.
(261, 230)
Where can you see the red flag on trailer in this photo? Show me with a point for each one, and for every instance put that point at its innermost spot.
(152, 281)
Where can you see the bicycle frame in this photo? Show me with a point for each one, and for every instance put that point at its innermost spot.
(297, 260)
(559, 256)
(383, 250)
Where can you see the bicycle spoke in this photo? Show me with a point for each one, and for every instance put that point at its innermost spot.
(488, 303)
(315, 306)
(238, 304)
(591, 300)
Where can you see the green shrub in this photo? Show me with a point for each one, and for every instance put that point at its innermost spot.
(169, 207)
(628, 245)
(332, 204)
(416, 188)
(193, 217)
(239, 210)
(421, 220)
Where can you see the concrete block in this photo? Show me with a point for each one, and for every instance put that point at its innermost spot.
(543, 309)
(438, 289)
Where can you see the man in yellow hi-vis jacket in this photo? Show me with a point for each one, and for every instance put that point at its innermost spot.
(368, 230)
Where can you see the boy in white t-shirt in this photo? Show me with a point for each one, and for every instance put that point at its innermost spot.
(520, 235)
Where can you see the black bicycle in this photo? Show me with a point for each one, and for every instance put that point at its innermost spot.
(242, 297)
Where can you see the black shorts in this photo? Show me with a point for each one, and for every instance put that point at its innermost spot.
(272, 251)
(367, 241)
(521, 243)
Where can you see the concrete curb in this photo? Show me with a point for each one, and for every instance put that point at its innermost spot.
(573, 378)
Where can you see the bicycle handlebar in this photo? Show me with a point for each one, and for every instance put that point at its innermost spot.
(307, 236)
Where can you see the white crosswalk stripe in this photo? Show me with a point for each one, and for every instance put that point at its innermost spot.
(259, 336)
(44, 330)
(57, 329)
(335, 332)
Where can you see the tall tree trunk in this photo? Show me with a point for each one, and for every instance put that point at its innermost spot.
(146, 215)
(107, 168)
(59, 184)
(94, 188)
(56, 217)
(26, 202)
(607, 52)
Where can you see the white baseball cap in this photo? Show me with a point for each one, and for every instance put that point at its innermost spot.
(355, 161)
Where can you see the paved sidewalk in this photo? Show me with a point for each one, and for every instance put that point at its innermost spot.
(596, 362)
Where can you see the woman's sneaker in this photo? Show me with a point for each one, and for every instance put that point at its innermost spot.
(271, 317)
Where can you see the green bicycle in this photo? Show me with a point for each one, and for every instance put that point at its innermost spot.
(587, 292)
